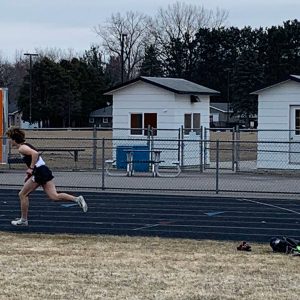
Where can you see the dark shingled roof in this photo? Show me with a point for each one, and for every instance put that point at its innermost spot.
(176, 85)
(102, 112)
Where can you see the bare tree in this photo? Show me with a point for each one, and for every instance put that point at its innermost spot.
(174, 31)
(57, 54)
(181, 20)
(128, 34)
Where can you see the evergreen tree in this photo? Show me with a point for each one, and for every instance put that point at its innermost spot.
(247, 77)
(180, 57)
(282, 51)
(65, 93)
(48, 93)
(151, 65)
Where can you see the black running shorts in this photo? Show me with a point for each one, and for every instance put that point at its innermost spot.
(42, 174)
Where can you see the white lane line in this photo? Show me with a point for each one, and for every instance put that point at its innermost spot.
(270, 205)
(145, 227)
(154, 225)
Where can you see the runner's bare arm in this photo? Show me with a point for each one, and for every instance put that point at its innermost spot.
(25, 150)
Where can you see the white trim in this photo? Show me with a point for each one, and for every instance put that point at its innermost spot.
(269, 87)
(219, 109)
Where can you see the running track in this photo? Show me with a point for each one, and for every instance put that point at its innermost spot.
(195, 217)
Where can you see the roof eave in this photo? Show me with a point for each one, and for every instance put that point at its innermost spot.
(111, 90)
(295, 78)
(290, 77)
(204, 93)
(220, 110)
(178, 91)
(120, 86)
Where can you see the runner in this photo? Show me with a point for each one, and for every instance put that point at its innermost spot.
(37, 174)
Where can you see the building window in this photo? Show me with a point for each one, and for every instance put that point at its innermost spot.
(192, 123)
(150, 119)
(187, 123)
(297, 122)
(138, 122)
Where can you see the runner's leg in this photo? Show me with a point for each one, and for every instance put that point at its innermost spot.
(29, 186)
(52, 193)
(50, 190)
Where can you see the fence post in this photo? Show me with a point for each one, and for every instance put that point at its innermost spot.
(233, 148)
(179, 143)
(237, 156)
(150, 142)
(182, 148)
(205, 147)
(201, 150)
(94, 147)
(103, 164)
(9, 154)
(217, 166)
(149, 133)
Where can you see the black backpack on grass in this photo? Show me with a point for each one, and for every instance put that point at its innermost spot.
(285, 245)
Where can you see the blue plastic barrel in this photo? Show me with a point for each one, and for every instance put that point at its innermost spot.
(121, 156)
(140, 153)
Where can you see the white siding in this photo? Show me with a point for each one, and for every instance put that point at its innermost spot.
(143, 98)
(184, 105)
(146, 98)
(274, 105)
(274, 124)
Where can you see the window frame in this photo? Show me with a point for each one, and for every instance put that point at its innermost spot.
(142, 130)
(138, 130)
(297, 121)
(192, 120)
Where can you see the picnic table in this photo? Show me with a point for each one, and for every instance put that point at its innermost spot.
(154, 161)
(71, 150)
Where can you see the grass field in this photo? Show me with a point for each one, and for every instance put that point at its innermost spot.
(105, 267)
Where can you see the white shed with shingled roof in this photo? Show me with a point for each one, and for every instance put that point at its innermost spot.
(164, 104)
(279, 120)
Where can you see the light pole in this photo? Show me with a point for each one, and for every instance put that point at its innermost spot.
(123, 36)
(30, 83)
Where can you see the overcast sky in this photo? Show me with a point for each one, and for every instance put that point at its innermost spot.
(26, 25)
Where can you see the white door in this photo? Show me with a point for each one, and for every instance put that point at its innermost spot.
(295, 134)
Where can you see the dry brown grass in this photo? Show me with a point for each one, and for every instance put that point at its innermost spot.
(84, 139)
(106, 267)
(68, 139)
(247, 147)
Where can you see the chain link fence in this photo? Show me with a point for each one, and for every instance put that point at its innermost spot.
(225, 162)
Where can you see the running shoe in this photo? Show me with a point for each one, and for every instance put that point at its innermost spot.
(19, 222)
(81, 202)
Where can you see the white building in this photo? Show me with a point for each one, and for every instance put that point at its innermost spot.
(165, 104)
(279, 120)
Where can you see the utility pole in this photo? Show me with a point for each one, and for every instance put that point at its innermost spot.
(30, 84)
(123, 37)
